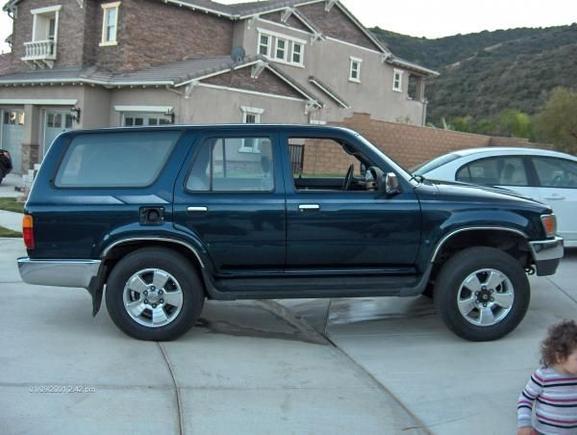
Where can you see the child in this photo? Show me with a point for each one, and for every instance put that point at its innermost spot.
(552, 389)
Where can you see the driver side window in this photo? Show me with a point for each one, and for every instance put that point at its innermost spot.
(325, 164)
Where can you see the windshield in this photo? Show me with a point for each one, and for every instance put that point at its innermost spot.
(434, 164)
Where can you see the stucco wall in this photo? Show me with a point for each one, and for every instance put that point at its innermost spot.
(142, 97)
(207, 105)
(329, 61)
(96, 107)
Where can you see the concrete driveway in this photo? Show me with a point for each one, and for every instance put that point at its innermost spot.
(451, 385)
(380, 366)
(249, 368)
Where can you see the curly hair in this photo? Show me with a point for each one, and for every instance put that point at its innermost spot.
(560, 343)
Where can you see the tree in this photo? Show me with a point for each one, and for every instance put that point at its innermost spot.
(557, 123)
(511, 122)
(462, 123)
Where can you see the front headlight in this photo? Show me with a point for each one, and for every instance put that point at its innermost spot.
(549, 222)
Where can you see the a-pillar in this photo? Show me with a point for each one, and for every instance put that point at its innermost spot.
(31, 137)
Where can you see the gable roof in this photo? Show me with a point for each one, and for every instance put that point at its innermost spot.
(405, 64)
(330, 92)
(175, 75)
(241, 11)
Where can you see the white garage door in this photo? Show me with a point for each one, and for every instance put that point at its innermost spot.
(55, 122)
(12, 134)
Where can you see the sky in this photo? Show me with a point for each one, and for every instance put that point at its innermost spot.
(435, 19)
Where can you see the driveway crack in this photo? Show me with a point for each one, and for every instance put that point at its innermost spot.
(562, 290)
(323, 338)
(176, 388)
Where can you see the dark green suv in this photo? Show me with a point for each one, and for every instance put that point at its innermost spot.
(164, 218)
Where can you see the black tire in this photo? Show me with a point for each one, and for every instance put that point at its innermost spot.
(168, 261)
(459, 268)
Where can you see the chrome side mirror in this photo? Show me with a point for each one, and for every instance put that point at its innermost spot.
(392, 186)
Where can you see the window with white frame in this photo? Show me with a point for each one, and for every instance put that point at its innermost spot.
(135, 119)
(280, 52)
(355, 69)
(281, 48)
(264, 45)
(398, 80)
(250, 115)
(297, 53)
(45, 28)
(109, 23)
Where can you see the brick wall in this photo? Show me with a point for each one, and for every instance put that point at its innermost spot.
(291, 22)
(93, 31)
(336, 24)
(408, 145)
(267, 82)
(325, 157)
(149, 33)
(6, 63)
(153, 33)
(70, 32)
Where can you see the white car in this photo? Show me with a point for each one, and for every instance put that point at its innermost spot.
(547, 176)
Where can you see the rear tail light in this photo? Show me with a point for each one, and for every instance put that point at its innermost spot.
(28, 231)
(549, 224)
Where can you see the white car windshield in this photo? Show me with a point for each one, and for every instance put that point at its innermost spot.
(434, 164)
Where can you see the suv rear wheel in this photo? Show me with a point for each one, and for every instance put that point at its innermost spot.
(154, 294)
(482, 293)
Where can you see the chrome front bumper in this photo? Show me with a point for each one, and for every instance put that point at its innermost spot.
(58, 273)
(547, 254)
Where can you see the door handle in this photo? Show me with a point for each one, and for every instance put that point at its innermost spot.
(309, 207)
(554, 198)
(197, 209)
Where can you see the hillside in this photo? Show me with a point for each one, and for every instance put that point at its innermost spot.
(485, 73)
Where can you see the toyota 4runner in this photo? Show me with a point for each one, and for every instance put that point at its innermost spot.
(160, 219)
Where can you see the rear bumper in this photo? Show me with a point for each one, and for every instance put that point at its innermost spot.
(547, 254)
(58, 273)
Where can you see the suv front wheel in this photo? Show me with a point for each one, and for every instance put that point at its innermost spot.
(482, 293)
(154, 294)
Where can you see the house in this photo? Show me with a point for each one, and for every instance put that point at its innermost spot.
(91, 63)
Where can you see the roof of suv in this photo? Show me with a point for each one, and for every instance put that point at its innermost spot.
(282, 127)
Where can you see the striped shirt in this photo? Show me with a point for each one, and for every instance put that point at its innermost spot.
(553, 396)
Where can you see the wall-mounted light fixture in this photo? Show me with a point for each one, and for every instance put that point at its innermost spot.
(75, 112)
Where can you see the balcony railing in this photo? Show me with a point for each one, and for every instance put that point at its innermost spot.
(40, 52)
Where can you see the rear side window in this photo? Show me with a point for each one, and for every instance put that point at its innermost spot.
(497, 171)
(225, 165)
(131, 159)
(555, 172)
